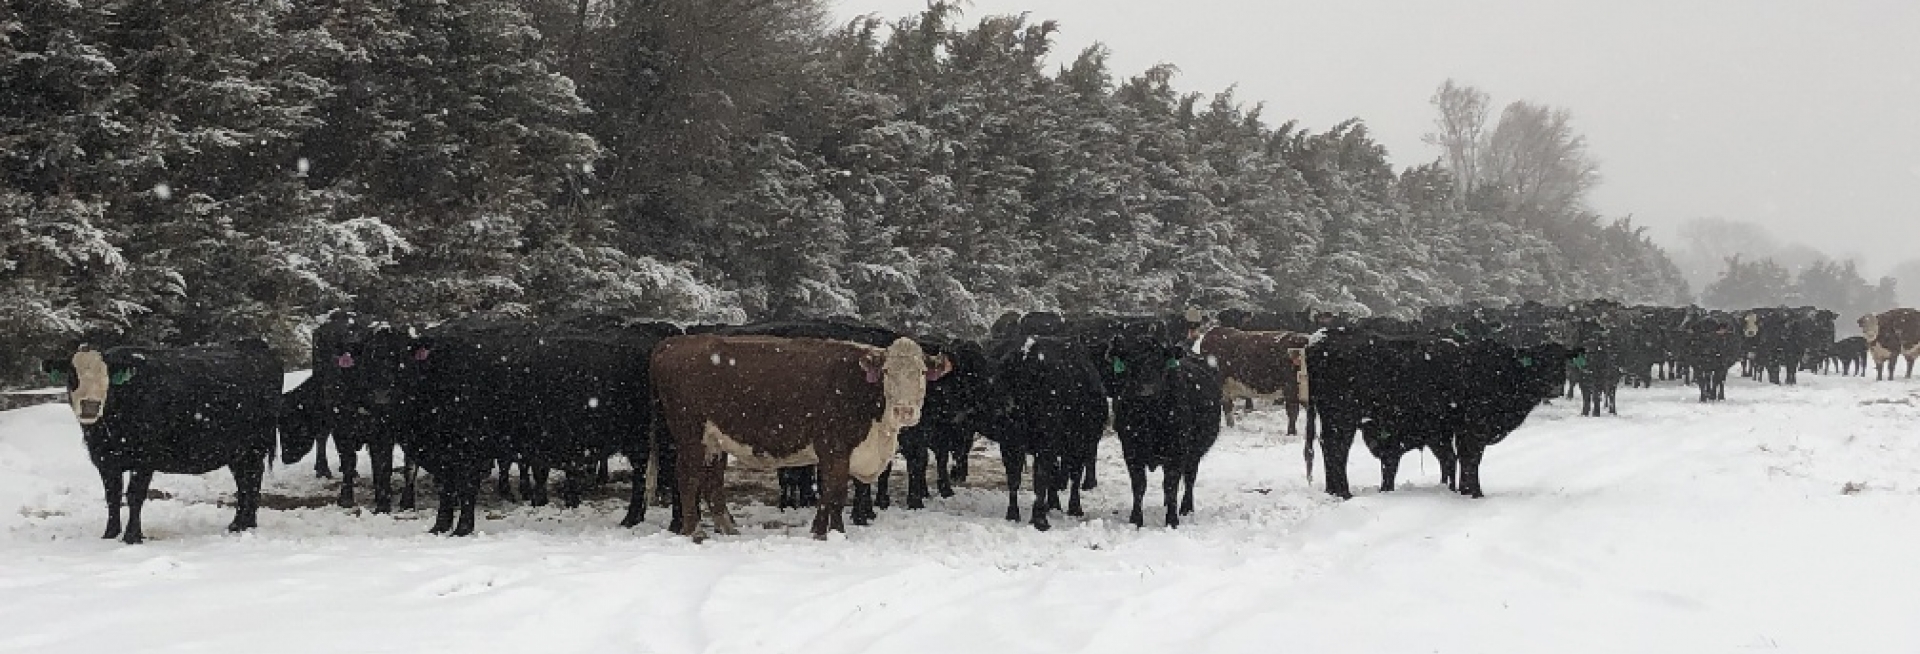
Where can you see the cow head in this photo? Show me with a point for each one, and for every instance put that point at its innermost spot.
(903, 370)
(89, 380)
(1870, 326)
(1751, 322)
(1138, 365)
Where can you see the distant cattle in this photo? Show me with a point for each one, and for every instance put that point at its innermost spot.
(178, 411)
(779, 402)
(1258, 365)
(1891, 335)
(1164, 412)
(1597, 370)
(1411, 392)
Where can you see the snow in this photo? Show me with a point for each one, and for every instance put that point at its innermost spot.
(1784, 519)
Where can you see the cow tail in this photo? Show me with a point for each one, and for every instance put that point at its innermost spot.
(648, 496)
(1312, 433)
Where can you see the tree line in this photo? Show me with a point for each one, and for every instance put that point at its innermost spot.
(182, 172)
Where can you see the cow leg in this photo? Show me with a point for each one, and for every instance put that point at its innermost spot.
(533, 482)
(578, 479)
(409, 473)
(111, 479)
(809, 483)
(1093, 454)
(883, 493)
(863, 513)
(959, 474)
(789, 489)
(1043, 468)
(1187, 477)
(1336, 442)
(449, 501)
(943, 480)
(1910, 367)
(137, 484)
(1449, 464)
(530, 491)
(1293, 417)
(468, 494)
(1226, 410)
(833, 494)
(382, 482)
(637, 502)
(1613, 401)
(1014, 460)
(1137, 478)
(1470, 452)
(320, 457)
(1170, 493)
(602, 472)
(247, 475)
(1074, 486)
(503, 484)
(1057, 477)
(716, 494)
(349, 469)
(1389, 468)
(689, 479)
(917, 454)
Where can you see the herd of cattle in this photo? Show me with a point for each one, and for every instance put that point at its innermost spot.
(829, 403)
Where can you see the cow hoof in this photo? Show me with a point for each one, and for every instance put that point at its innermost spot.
(406, 505)
(1073, 509)
(382, 507)
(1041, 525)
(344, 503)
(236, 527)
(439, 529)
(323, 474)
(133, 538)
(1013, 515)
(914, 504)
(946, 491)
(1089, 484)
(820, 537)
(1173, 522)
(701, 537)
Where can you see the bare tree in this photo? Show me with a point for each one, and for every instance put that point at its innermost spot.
(1538, 161)
(1459, 132)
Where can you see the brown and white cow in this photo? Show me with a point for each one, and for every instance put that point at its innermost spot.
(774, 402)
(1891, 335)
(1258, 365)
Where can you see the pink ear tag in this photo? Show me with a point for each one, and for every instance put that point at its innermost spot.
(344, 360)
(873, 376)
(421, 354)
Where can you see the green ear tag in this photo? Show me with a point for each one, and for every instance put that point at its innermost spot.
(1580, 362)
(58, 377)
(1526, 362)
(1173, 363)
(1119, 366)
(121, 377)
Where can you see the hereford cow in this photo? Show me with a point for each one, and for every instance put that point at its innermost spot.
(1891, 335)
(185, 411)
(1258, 365)
(780, 402)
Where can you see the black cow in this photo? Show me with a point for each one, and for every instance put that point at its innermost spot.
(351, 397)
(1165, 410)
(1849, 353)
(956, 407)
(174, 410)
(565, 394)
(1715, 342)
(1597, 370)
(1473, 393)
(1051, 406)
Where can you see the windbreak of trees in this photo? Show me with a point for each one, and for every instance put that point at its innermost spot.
(179, 172)
(1824, 283)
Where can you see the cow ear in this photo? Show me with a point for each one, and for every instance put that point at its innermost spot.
(121, 377)
(872, 363)
(938, 366)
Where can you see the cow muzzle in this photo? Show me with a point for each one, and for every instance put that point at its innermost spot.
(89, 411)
(906, 415)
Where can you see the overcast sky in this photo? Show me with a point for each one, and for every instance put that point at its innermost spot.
(1803, 116)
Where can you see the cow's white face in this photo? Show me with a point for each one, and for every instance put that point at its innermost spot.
(1753, 325)
(1870, 327)
(91, 381)
(903, 381)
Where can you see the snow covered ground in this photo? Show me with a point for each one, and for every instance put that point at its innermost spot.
(1787, 519)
